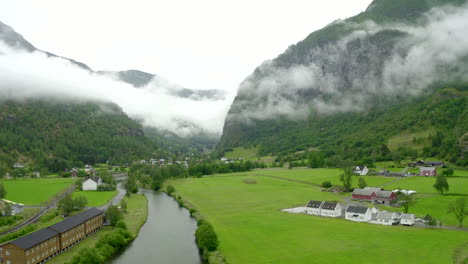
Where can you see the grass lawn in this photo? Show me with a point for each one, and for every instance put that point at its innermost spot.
(425, 185)
(252, 229)
(406, 139)
(242, 152)
(137, 212)
(96, 198)
(318, 176)
(460, 173)
(34, 191)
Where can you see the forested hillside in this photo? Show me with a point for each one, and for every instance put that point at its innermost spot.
(354, 86)
(58, 135)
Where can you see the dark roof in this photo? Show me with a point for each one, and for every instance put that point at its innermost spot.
(94, 178)
(356, 209)
(329, 205)
(76, 220)
(314, 204)
(366, 192)
(35, 238)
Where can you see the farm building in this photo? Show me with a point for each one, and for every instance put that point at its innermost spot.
(331, 209)
(313, 207)
(386, 218)
(358, 214)
(91, 184)
(372, 195)
(407, 219)
(48, 242)
(361, 170)
(428, 171)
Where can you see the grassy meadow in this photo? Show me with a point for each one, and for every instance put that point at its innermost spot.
(34, 191)
(252, 229)
(96, 198)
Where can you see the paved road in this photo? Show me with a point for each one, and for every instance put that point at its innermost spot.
(116, 200)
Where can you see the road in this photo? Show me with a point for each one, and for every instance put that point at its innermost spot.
(44, 210)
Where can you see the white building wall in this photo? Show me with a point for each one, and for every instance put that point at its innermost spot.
(89, 185)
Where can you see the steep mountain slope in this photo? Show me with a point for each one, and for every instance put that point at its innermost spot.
(59, 135)
(351, 86)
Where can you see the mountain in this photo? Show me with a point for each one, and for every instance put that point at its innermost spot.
(134, 77)
(350, 89)
(57, 135)
(141, 79)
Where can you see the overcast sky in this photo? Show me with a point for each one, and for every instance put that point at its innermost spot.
(204, 44)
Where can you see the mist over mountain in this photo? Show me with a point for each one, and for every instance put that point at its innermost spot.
(29, 73)
(395, 52)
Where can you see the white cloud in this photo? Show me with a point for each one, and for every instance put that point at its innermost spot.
(34, 75)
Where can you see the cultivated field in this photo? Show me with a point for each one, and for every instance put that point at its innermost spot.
(96, 198)
(252, 229)
(34, 191)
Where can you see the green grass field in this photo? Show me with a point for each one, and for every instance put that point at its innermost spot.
(406, 139)
(242, 152)
(34, 191)
(252, 229)
(96, 198)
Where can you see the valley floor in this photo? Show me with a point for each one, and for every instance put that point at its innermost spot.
(252, 229)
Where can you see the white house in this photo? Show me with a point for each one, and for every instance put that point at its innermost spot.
(88, 169)
(361, 170)
(407, 219)
(313, 207)
(386, 218)
(358, 213)
(330, 209)
(91, 184)
(17, 209)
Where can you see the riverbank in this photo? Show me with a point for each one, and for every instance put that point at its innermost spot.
(137, 213)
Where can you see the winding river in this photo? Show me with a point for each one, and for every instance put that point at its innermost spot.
(166, 237)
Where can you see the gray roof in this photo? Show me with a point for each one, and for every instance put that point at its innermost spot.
(76, 220)
(363, 192)
(356, 209)
(385, 215)
(329, 205)
(314, 204)
(407, 216)
(35, 238)
(385, 194)
(359, 167)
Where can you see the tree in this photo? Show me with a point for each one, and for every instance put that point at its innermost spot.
(441, 184)
(347, 177)
(170, 189)
(459, 209)
(362, 183)
(326, 184)
(448, 172)
(66, 205)
(406, 201)
(3, 191)
(123, 205)
(206, 237)
(80, 202)
(87, 256)
(113, 214)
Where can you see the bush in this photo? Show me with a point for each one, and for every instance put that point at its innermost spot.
(170, 189)
(121, 224)
(206, 237)
(326, 184)
(88, 256)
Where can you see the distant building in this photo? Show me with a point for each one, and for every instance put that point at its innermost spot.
(330, 209)
(428, 171)
(435, 163)
(376, 196)
(88, 169)
(17, 209)
(313, 207)
(91, 184)
(361, 170)
(358, 214)
(35, 174)
(18, 165)
(386, 218)
(407, 219)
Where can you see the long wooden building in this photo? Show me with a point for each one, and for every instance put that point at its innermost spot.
(41, 245)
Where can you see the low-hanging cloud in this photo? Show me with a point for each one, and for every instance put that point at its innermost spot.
(26, 75)
(349, 74)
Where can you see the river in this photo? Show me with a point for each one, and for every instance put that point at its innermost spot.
(167, 237)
